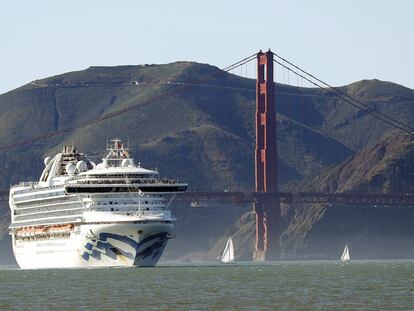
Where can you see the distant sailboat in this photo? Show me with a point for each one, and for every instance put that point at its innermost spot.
(345, 255)
(228, 253)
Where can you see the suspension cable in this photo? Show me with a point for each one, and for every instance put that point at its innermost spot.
(345, 97)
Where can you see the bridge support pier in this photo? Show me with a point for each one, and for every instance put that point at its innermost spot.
(268, 229)
(267, 208)
(259, 253)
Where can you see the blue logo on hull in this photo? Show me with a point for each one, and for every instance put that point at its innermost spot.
(103, 247)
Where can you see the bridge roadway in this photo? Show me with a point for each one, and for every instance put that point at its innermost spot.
(374, 200)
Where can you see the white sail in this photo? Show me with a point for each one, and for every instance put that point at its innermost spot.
(345, 254)
(228, 253)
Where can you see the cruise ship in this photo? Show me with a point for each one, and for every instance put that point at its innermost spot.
(80, 214)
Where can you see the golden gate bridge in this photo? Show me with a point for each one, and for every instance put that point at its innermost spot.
(266, 197)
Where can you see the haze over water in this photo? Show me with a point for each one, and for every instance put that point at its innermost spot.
(328, 285)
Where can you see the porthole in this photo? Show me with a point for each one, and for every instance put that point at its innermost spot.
(140, 232)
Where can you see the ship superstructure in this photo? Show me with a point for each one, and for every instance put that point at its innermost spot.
(80, 214)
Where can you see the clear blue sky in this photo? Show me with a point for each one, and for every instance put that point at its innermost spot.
(339, 41)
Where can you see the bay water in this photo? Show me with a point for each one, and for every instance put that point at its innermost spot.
(307, 285)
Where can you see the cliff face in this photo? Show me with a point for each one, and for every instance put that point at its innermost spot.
(319, 231)
(385, 167)
(204, 136)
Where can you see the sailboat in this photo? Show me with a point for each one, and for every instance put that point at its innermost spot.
(228, 253)
(345, 254)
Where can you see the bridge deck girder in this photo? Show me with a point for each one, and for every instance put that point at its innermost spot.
(374, 200)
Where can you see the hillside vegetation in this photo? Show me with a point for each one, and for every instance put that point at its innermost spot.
(376, 232)
(204, 135)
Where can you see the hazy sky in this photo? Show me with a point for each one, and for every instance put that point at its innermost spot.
(339, 41)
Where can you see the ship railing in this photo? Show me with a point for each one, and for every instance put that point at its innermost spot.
(123, 181)
(33, 185)
(28, 183)
(56, 220)
(144, 213)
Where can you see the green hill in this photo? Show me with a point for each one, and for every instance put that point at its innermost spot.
(203, 135)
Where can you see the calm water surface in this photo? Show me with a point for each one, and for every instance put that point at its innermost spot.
(367, 285)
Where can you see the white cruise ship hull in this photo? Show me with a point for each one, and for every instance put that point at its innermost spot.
(97, 245)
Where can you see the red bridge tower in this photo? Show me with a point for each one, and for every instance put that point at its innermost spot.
(267, 208)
